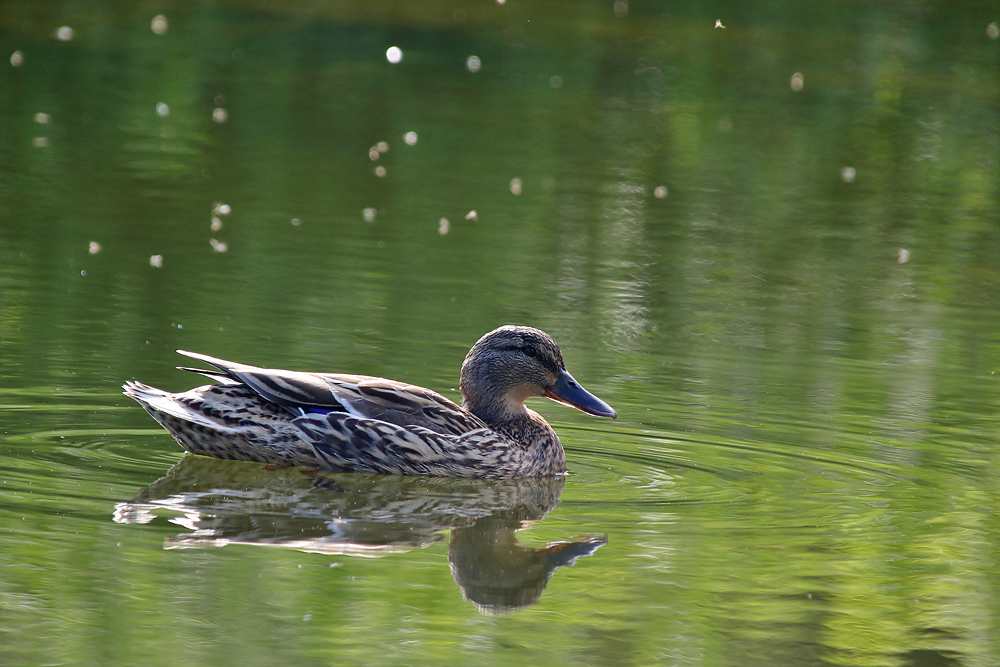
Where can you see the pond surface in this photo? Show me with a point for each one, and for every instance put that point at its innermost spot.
(772, 243)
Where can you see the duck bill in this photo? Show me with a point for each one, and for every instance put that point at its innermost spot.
(567, 390)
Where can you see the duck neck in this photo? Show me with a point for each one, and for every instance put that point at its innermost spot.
(497, 397)
(489, 395)
(496, 411)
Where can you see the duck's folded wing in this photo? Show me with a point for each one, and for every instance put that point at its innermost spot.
(402, 404)
(346, 443)
(298, 392)
(359, 395)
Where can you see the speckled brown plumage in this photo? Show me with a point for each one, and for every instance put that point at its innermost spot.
(355, 423)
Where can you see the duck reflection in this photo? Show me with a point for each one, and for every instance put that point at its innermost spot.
(226, 502)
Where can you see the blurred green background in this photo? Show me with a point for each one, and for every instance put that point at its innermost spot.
(767, 233)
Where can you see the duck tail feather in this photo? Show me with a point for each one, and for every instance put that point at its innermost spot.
(156, 401)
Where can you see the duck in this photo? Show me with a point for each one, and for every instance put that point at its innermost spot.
(363, 424)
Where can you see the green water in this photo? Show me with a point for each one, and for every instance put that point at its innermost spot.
(773, 247)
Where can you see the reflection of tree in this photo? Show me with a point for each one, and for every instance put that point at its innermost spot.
(223, 502)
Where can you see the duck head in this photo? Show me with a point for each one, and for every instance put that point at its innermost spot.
(513, 363)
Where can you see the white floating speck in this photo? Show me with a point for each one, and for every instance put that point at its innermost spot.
(797, 81)
(159, 24)
(903, 257)
(380, 171)
(556, 81)
(621, 9)
(500, 2)
(296, 222)
(992, 31)
(64, 34)
(218, 246)
(156, 261)
(515, 186)
(220, 115)
(369, 214)
(410, 138)
(17, 59)
(216, 223)
(221, 209)
(443, 226)
(43, 118)
(473, 64)
(472, 215)
(373, 153)
(848, 174)
(382, 147)
(394, 54)
(718, 24)
(40, 142)
(660, 192)
(162, 110)
(95, 247)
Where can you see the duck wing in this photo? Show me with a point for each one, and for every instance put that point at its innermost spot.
(295, 391)
(402, 404)
(364, 397)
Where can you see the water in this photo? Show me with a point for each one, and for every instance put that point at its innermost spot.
(786, 285)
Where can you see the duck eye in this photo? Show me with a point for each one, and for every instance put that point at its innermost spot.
(528, 350)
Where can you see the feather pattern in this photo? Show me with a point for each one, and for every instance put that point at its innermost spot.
(358, 423)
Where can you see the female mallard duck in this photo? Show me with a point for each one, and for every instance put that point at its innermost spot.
(355, 423)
